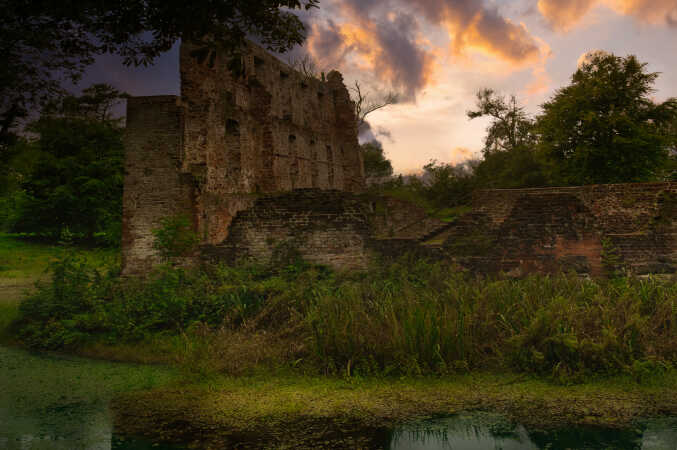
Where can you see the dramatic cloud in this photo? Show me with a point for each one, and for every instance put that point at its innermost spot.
(388, 38)
(651, 11)
(565, 14)
(388, 48)
(472, 25)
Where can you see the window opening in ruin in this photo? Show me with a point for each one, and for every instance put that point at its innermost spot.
(292, 138)
(258, 61)
(232, 127)
(284, 75)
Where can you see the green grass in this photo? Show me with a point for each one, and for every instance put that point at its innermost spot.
(410, 317)
(25, 260)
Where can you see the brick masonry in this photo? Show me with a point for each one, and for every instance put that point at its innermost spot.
(588, 229)
(240, 129)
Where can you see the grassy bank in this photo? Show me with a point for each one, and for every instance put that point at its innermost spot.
(303, 352)
(25, 260)
(294, 411)
(410, 317)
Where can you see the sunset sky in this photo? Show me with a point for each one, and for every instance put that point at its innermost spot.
(438, 53)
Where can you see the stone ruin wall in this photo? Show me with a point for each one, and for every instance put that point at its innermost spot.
(230, 138)
(584, 229)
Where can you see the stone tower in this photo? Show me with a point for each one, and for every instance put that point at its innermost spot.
(240, 129)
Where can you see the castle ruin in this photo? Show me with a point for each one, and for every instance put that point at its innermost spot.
(241, 128)
(262, 158)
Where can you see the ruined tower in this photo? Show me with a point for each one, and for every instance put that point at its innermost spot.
(240, 129)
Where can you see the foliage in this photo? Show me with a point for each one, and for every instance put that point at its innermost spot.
(604, 127)
(510, 169)
(175, 237)
(75, 181)
(43, 42)
(70, 176)
(510, 128)
(447, 185)
(409, 317)
(376, 165)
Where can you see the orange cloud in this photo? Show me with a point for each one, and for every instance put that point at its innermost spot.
(391, 49)
(563, 15)
(495, 36)
(384, 37)
(650, 11)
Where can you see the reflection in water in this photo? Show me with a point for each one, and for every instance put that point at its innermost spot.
(57, 403)
(49, 402)
(475, 431)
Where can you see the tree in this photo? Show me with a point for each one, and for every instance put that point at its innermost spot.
(510, 159)
(604, 127)
(75, 180)
(45, 42)
(448, 185)
(510, 126)
(511, 169)
(376, 166)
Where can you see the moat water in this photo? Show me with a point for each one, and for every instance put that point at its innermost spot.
(50, 402)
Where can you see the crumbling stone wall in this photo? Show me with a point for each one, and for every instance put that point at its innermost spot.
(324, 227)
(153, 187)
(240, 129)
(329, 227)
(589, 229)
(264, 128)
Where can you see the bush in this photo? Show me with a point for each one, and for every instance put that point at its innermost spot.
(408, 317)
(175, 237)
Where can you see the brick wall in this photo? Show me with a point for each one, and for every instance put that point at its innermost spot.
(264, 129)
(323, 227)
(573, 228)
(229, 138)
(153, 186)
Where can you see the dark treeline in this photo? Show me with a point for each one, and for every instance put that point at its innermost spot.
(63, 179)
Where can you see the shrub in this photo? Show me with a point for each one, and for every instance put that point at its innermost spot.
(408, 317)
(175, 237)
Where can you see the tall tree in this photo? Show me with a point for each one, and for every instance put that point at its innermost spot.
(510, 127)
(604, 127)
(44, 42)
(75, 179)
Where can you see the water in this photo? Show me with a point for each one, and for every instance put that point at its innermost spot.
(475, 431)
(49, 402)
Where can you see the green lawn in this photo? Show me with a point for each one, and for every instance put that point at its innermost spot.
(23, 261)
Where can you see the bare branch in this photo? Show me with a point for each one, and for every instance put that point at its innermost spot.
(305, 65)
(364, 105)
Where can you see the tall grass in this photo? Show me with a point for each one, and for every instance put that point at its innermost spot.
(411, 317)
(424, 318)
